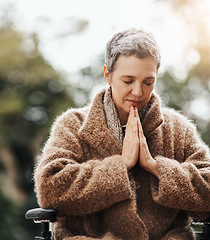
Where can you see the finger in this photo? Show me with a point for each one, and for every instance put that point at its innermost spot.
(141, 133)
(138, 122)
(135, 125)
(132, 126)
(134, 120)
(136, 113)
(130, 118)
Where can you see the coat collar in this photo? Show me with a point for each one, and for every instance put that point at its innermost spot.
(94, 130)
(154, 116)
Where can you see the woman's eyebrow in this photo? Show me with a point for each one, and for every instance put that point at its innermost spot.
(127, 76)
(133, 77)
(150, 77)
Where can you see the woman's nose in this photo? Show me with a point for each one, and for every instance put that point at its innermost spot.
(137, 90)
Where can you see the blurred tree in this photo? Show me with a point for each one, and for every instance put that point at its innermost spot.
(187, 87)
(90, 80)
(32, 93)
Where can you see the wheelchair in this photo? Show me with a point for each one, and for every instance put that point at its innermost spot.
(48, 216)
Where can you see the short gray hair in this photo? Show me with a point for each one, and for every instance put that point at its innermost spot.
(131, 42)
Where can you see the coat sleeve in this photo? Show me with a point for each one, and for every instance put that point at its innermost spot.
(65, 182)
(185, 185)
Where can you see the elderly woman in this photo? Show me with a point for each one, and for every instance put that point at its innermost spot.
(145, 182)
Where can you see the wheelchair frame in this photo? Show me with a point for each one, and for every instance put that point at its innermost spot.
(47, 216)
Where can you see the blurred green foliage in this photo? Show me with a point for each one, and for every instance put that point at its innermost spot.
(32, 94)
(187, 87)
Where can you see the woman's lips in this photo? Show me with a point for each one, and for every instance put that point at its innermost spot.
(134, 103)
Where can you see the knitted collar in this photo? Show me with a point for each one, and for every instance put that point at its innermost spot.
(112, 118)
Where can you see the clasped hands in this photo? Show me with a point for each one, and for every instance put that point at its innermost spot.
(135, 149)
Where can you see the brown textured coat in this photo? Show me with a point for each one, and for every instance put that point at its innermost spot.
(81, 173)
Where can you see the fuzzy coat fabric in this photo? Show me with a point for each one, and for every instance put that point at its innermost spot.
(82, 175)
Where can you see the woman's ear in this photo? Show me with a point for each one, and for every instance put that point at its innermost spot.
(106, 74)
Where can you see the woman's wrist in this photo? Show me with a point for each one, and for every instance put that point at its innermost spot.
(152, 167)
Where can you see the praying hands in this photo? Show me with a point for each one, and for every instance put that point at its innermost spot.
(135, 149)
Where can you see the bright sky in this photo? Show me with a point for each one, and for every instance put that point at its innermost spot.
(51, 17)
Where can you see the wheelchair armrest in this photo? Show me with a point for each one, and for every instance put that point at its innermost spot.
(41, 215)
(204, 222)
(201, 229)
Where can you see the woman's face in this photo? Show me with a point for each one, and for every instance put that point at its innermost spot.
(132, 83)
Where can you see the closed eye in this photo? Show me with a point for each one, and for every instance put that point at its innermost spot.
(149, 84)
(149, 81)
(128, 82)
(127, 79)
